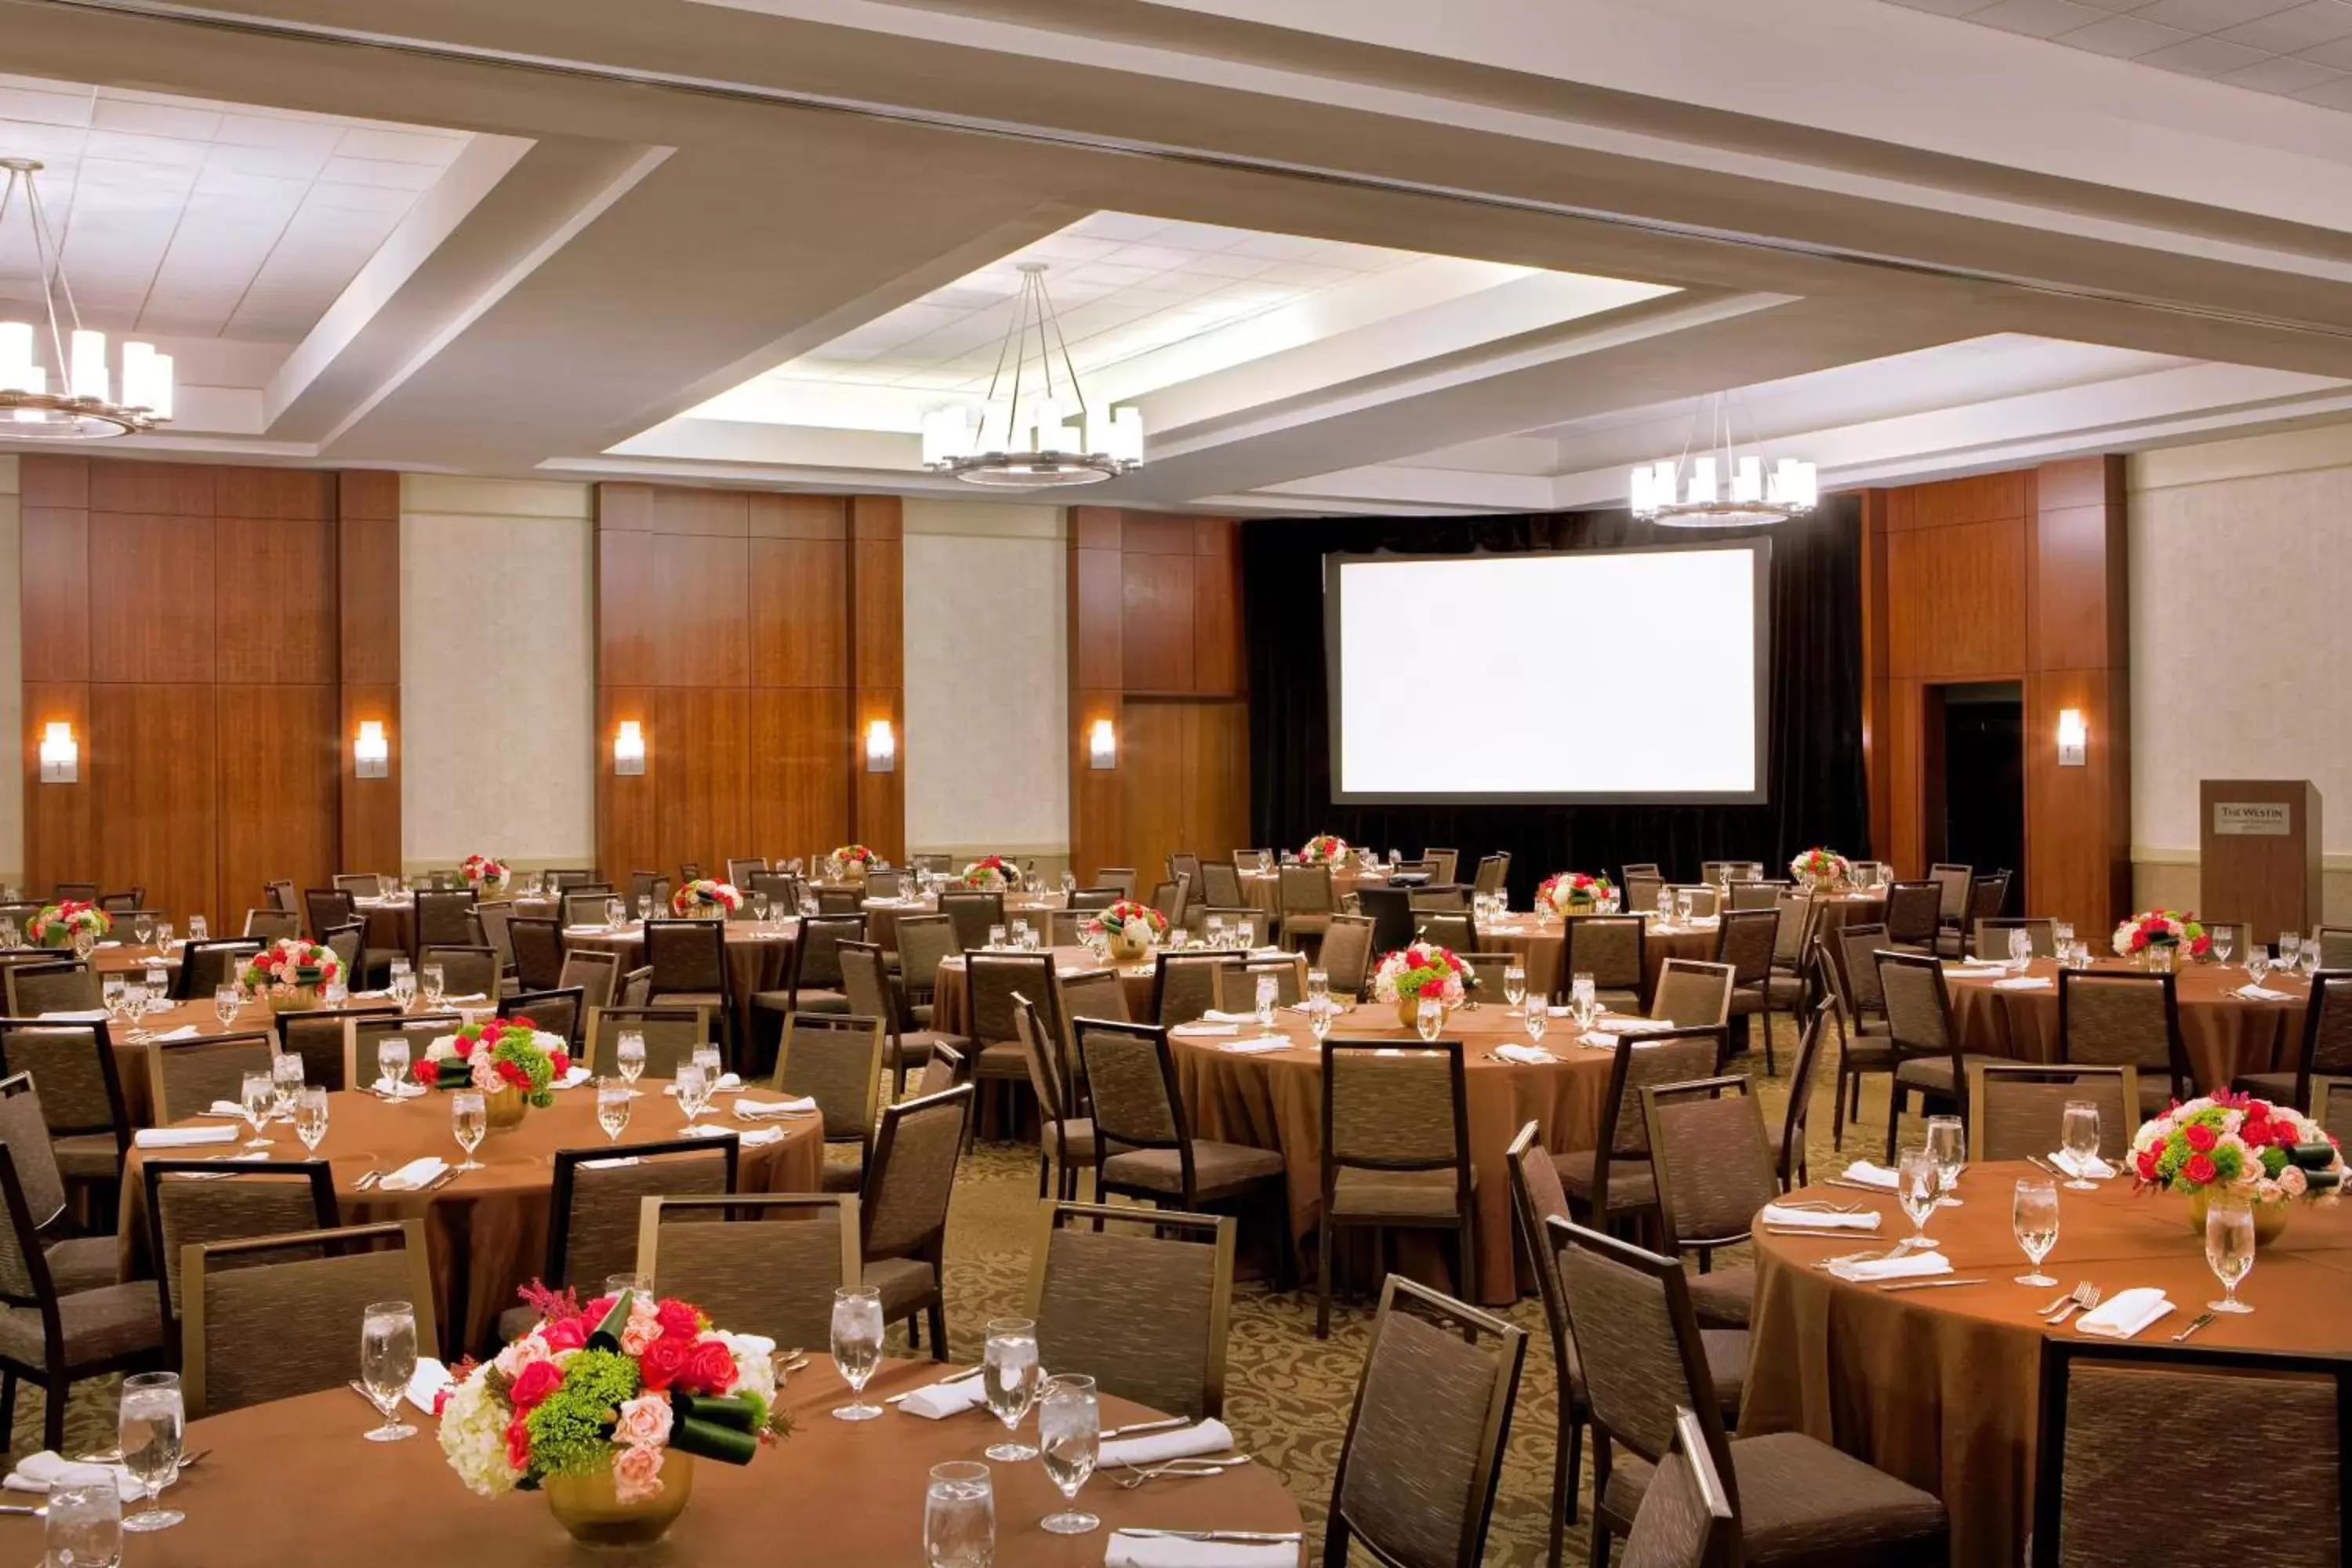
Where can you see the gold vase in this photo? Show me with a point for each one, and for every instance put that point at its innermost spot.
(503, 1108)
(586, 1506)
(293, 998)
(2269, 1219)
(1128, 949)
(1408, 1014)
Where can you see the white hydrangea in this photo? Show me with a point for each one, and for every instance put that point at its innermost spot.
(473, 1435)
(755, 1362)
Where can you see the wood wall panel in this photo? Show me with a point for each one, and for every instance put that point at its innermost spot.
(799, 625)
(152, 761)
(278, 801)
(1216, 608)
(879, 669)
(800, 798)
(275, 601)
(1156, 622)
(367, 630)
(152, 612)
(1877, 719)
(699, 583)
(1973, 576)
(1152, 772)
(54, 555)
(703, 805)
(628, 831)
(60, 820)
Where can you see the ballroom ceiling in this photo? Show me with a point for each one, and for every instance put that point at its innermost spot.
(1346, 254)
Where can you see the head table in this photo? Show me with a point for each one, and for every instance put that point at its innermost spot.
(1938, 1387)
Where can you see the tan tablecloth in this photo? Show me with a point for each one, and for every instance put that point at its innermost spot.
(882, 914)
(131, 1055)
(1938, 1387)
(1538, 943)
(2225, 1035)
(952, 996)
(1264, 889)
(295, 1482)
(487, 1229)
(391, 923)
(759, 957)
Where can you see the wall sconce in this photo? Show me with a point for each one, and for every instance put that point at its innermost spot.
(2073, 738)
(60, 757)
(370, 751)
(629, 749)
(1102, 745)
(881, 747)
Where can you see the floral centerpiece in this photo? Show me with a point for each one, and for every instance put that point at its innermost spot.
(1824, 868)
(1572, 893)
(483, 873)
(58, 924)
(704, 899)
(605, 1408)
(2266, 1155)
(1129, 928)
(512, 1061)
(1424, 969)
(291, 970)
(1324, 849)
(990, 874)
(852, 862)
(2165, 932)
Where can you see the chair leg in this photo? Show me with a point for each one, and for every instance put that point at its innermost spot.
(1894, 1114)
(938, 1314)
(1772, 1066)
(7, 1400)
(1323, 1278)
(1563, 1489)
(1466, 1270)
(1837, 1104)
(53, 1415)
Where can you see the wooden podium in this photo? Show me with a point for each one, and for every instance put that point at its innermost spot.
(2259, 853)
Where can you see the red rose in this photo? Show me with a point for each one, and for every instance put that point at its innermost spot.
(566, 1334)
(2201, 1137)
(465, 1048)
(517, 1443)
(534, 1384)
(429, 1072)
(2200, 1169)
(676, 1317)
(520, 1024)
(597, 1311)
(512, 1072)
(663, 1361)
(714, 1368)
(2147, 1165)
(560, 1061)
(441, 1400)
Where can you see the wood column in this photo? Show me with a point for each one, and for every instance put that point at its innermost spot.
(878, 671)
(367, 568)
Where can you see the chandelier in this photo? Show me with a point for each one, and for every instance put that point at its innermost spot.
(1689, 492)
(1028, 439)
(73, 397)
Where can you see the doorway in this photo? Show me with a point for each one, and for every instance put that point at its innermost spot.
(1979, 821)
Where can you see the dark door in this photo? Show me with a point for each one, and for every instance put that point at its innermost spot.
(1984, 782)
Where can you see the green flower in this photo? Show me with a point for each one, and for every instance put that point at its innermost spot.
(571, 1432)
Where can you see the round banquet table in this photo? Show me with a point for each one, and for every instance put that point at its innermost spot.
(294, 1481)
(131, 1046)
(1275, 1100)
(951, 997)
(128, 957)
(1537, 941)
(882, 914)
(391, 923)
(758, 954)
(1264, 889)
(1939, 1387)
(2226, 1034)
(485, 1231)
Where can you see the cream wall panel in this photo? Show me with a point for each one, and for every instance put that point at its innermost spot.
(987, 746)
(498, 670)
(12, 683)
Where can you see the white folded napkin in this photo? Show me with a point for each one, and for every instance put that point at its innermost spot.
(727, 1080)
(1251, 1047)
(1904, 1265)
(182, 1137)
(1205, 1031)
(760, 1136)
(426, 1383)
(573, 1079)
(949, 1396)
(402, 1088)
(414, 1174)
(369, 996)
(458, 1001)
(585, 930)
(1179, 1551)
(75, 1015)
(612, 1164)
(761, 1109)
(1820, 1219)
(2024, 983)
(697, 1130)
(1973, 972)
(227, 1108)
(1156, 1448)
(1218, 1016)
(184, 1032)
(1871, 1175)
(2091, 1169)
(2126, 1313)
(1526, 1055)
(2251, 993)
(40, 1472)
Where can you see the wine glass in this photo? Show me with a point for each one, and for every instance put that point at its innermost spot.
(159, 989)
(2033, 1216)
(616, 912)
(2060, 933)
(2310, 955)
(2290, 944)
(995, 939)
(759, 909)
(1515, 985)
(2078, 1134)
(470, 1121)
(1069, 1437)
(706, 1057)
(630, 1054)
(1538, 1014)
(1947, 1146)
(856, 1346)
(1010, 1374)
(391, 1063)
(286, 1074)
(257, 1093)
(84, 1529)
(1428, 1018)
(1683, 905)
(404, 987)
(1020, 929)
(1318, 986)
(2229, 1249)
(693, 1088)
(311, 1118)
(436, 984)
(227, 1002)
(147, 1429)
(162, 933)
(1917, 1185)
(134, 997)
(143, 928)
(644, 907)
(197, 929)
(387, 1361)
(2021, 948)
(111, 991)
(1665, 906)
(1269, 991)
(2224, 938)
(2258, 967)
(960, 1516)
(613, 1107)
(1319, 1013)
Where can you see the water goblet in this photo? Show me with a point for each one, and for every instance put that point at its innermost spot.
(84, 1528)
(1319, 1013)
(2229, 1249)
(387, 1361)
(759, 907)
(2225, 939)
(1683, 905)
(1665, 906)
(616, 912)
(227, 1002)
(311, 1118)
(134, 997)
(1020, 930)
(630, 1054)
(1916, 1186)
(2290, 944)
(2033, 1216)
(1515, 985)
(693, 1086)
(1538, 1014)
(257, 1094)
(159, 989)
(110, 994)
(960, 1516)
(1269, 991)
(1428, 1017)
(1947, 1145)
(143, 928)
(2310, 965)
(286, 1076)
(390, 1064)
(434, 984)
(469, 1121)
(1069, 1437)
(404, 988)
(1319, 984)
(613, 1103)
(1009, 1370)
(162, 933)
(2078, 1134)
(1214, 928)
(147, 1429)
(197, 929)
(856, 1347)
(996, 938)
(2021, 949)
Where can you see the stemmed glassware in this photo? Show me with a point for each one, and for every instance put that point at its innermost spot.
(197, 929)
(390, 1064)
(403, 984)
(134, 997)
(693, 1086)
(147, 1430)
(2033, 1216)
(257, 1094)
(1429, 1018)
(470, 1121)
(112, 993)
(2078, 1134)
(2229, 1249)
(630, 1054)
(1269, 992)
(1538, 1016)
(143, 928)
(311, 1118)
(1917, 1185)
(2021, 948)
(856, 1346)
(960, 1516)
(436, 984)
(1008, 1373)
(613, 1107)
(1947, 1146)
(285, 1072)
(1069, 1439)
(1515, 984)
(387, 1361)
(227, 1002)
(2224, 939)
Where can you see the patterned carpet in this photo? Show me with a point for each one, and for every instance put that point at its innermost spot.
(1287, 1394)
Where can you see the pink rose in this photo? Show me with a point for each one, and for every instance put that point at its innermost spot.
(538, 1379)
(567, 1334)
(643, 1422)
(639, 1333)
(521, 1353)
(636, 1474)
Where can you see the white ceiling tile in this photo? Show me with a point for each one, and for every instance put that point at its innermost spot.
(2335, 94)
(1124, 226)
(2297, 28)
(44, 107)
(2122, 36)
(155, 119)
(1155, 255)
(1275, 247)
(281, 162)
(2281, 74)
(436, 148)
(127, 148)
(360, 198)
(1110, 276)
(1306, 275)
(379, 173)
(2036, 18)
(2211, 15)
(2338, 54)
(1945, 7)
(2203, 56)
(277, 131)
(1231, 264)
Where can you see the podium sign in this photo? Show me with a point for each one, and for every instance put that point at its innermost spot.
(2259, 853)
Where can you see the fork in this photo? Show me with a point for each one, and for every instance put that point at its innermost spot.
(1860, 1256)
(1183, 1469)
(2087, 1296)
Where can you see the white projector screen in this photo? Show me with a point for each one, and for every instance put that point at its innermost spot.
(1583, 677)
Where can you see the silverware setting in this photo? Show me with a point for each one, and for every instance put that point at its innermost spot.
(1183, 1469)
(1164, 1423)
(943, 1383)
(2041, 1164)
(2195, 1323)
(1840, 1235)
(1861, 1257)
(368, 1179)
(1857, 1187)
(22, 1510)
(441, 1181)
(2085, 1297)
(1822, 1205)
(1927, 1284)
(1237, 1537)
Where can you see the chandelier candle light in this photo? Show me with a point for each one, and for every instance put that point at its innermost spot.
(72, 397)
(1044, 436)
(1688, 491)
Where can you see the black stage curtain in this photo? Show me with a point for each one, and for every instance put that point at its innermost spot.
(1814, 768)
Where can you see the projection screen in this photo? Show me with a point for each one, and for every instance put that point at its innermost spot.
(1633, 675)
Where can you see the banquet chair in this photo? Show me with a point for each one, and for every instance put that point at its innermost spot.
(1789, 1163)
(2324, 1050)
(1145, 1313)
(557, 1013)
(1237, 983)
(783, 890)
(1221, 886)
(57, 985)
(1988, 896)
(1305, 902)
(2331, 1107)
(1610, 949)
(728, 1256)
(1756, 895)
(1493, 871)
(274, 1317)
(360, 884)
(2099, 1499)
(1537, 1196)
(591, 909)
(494, 916)
(1913, 916)
(272, 925)
(1924, 1046)
(1390, 911)
(1257, 923)
(190, 1202)
(1346, 957)
(1443, 898)
(1487, 970)
(1067, 928)
(813, 984)
(1641, 885)
(904, 1209)
(186, 1077)
(1792, 939)
(328, 908)
(467, 973)
(1703, 899)
(1424, 1450)
(835, 1060)
(1990, 939)
(670, 1034)
(1686, 1519)
(882, 883)
(740, 869)
(2335, 947)
(1144, 1136)
(972, 913)
(1185, 870)
(1185, 986)
(944, 1071)
(344, 942)
(1065, 1141)
(690, 872)
(688, 958)
(445, 917)
(1692, 993)
(595, 972)
(1852, 974)
(1085, 993)
(1953, 885)
(76, 1263)
(562, 879)
(1441, 863)
(597, 1201)
(1712, 1162)
(1086, 899)
(841, 900)
(1612, 1179)
(874, 993)
(1395, 1151)
(990, 980)
(1645, 1359)
(1745, 941)
(641, 885)
(540, 962)
(358, 1038)
(283, 898)
(1721, 871)
(2021, 1109)
(1119, 876)
(1170, 900)
(924, 940)
(1457, 933)
(2107, 1019)
(82, 1096)
(637, 986)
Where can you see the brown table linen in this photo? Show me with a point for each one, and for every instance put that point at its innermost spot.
(391, 923)
(1264, 889)
(1537, 942)
(294, 1481)
(485, 1231)
(253, 1019)
(882, 915)
(759, 957)
(951, 996)
(1938, 1387)
(2225, 1034)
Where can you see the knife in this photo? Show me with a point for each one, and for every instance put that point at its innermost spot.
(1239, 1537)
(1927, 1284)
(1166, 1424)
(2195, 1323)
